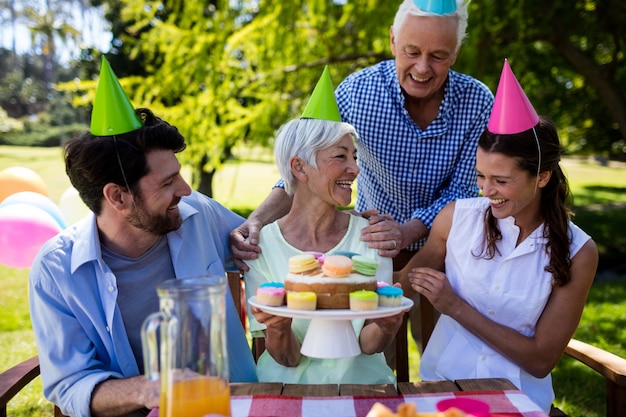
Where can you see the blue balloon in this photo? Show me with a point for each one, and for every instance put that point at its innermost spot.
(38, 200)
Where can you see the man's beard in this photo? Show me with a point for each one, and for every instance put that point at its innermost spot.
(156, 224)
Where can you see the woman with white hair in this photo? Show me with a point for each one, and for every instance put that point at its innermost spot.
(317, 160)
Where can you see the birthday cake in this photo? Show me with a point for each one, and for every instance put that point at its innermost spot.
(332, 278)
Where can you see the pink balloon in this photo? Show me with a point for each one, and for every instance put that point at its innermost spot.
(24, 228)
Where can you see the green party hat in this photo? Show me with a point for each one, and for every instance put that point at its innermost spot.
(322, 104)
(113, 113)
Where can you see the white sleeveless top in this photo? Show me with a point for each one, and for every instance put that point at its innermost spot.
(511, 289)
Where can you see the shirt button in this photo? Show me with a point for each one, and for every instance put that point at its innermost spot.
(108, 329)
(491, 312)
(497, 288)
(110, 289)
(484, 358)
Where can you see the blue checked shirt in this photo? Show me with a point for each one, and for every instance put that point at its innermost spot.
(405, 171)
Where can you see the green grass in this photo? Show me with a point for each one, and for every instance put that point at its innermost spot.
(246, 180)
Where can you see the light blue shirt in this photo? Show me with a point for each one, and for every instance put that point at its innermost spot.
(78, 326)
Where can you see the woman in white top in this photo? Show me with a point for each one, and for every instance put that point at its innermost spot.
(517, 270)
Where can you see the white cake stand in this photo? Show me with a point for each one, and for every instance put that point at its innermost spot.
(330, 334)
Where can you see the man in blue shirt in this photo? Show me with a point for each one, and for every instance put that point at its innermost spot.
(91, 286)
(418, 123)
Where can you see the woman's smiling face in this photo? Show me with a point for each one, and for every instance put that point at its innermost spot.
(336, 171)
(511, 190)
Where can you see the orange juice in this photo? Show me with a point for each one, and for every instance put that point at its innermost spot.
(196, 398)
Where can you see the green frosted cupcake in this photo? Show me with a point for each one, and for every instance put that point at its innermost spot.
(363, 300)
(364, 265)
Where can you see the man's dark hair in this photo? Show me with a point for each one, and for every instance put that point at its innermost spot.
(91, 161)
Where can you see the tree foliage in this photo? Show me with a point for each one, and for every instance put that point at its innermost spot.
(569, 57)
(227, 72)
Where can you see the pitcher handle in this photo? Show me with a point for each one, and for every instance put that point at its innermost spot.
(150, 344)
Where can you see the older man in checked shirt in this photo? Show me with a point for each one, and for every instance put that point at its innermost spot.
(418, 123)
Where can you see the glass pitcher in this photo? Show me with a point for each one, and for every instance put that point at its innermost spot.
(189, 354)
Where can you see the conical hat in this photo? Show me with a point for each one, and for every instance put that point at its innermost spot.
(322, 104)
(512, 111)
(441, 7)
(113, 113)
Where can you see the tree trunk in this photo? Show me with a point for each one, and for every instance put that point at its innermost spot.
(205, 185)
(604, 85)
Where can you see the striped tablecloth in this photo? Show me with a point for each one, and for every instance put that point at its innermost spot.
(501, 403)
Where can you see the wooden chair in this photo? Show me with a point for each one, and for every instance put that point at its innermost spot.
(236, 284)
(13, 380)
(610, 366)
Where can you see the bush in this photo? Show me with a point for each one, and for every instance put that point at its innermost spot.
(38, 134)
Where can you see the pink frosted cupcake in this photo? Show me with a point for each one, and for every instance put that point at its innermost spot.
(271, 295)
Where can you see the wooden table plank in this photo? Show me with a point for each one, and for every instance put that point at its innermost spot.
(256, 388)
(311, 390)
(485, 384)
(425, 387)
(330, 390)
(378, 390)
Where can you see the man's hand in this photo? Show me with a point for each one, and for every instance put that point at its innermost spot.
(389, 236)
(244, 240)
(383, 234)
(244, 243)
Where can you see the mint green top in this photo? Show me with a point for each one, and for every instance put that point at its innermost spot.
(272, 265)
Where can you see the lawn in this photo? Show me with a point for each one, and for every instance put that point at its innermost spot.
(246, 180)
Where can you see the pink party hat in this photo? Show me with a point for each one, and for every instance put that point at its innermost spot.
(512, 111)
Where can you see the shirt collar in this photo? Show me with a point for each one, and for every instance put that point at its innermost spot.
(440, 125)
(87, 239)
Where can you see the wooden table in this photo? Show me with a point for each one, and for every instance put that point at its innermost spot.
(331, 390)
(351, 400)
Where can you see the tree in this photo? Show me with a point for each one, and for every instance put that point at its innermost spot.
(9, 14)
(569, 56)
(47, 25)
(228, 72)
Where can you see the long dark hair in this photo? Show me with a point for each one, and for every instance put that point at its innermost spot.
(554, 196)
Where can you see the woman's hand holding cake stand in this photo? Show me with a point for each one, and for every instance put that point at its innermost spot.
(342, 282)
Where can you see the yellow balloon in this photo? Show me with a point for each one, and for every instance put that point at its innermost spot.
(16, 179)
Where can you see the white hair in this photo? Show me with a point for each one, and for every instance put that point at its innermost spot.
(408, 7)
(304, 138)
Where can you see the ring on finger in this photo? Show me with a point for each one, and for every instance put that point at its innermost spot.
(395, 244)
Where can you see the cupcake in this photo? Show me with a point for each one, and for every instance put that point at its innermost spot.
(319, 256)
(337, 266)
(305, 300)
(344, 253)
(364, 265)
(271, 294)
(304, 263)
(363, 300)
(389, 296)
